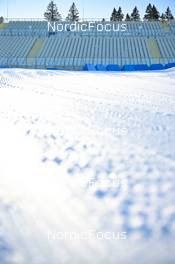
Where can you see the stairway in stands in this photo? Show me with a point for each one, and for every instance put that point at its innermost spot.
(166, 27)
(154, 50)
(3, 26)
(35, 51)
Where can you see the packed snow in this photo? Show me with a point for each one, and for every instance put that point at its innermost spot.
(87, 167)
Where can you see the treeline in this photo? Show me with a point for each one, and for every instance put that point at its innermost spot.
(52, 13)
(151, 13)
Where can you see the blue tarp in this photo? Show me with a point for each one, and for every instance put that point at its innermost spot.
(169, 65)
(128, 67)
(157, 67)
(141, 67)
(4, 66)
(100, 67)
(89, 67)
(113, 67)
(135, 67)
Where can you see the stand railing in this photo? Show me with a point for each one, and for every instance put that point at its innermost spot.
(6, 20)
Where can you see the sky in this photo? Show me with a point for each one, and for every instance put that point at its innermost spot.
(87, 8)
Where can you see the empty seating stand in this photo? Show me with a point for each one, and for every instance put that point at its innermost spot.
(29, 44)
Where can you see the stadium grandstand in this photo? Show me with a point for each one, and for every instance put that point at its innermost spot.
(34, 44)
(89, 44)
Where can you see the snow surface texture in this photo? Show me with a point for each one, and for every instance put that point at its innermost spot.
(87, 167)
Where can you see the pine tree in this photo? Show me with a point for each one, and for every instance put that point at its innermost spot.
(135, 14)
(128, 18)
(113, 15)
(149, 12)
(163, 17)
(1, 20)
(155, 12)
(119, 15)
(73, 15)
(168, 14)
(52, 13)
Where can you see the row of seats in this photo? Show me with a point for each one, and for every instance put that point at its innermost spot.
(97, 49)
(13, 47)
(167, 47)
(27, 25)
(23, 33)
(72, 64)
(76, 51)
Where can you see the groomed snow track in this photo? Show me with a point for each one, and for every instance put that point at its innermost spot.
(87, 167)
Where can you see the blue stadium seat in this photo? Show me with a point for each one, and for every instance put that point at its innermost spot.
(113, 67)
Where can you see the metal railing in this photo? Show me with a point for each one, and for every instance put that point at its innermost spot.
(65, 62)
(6, 20)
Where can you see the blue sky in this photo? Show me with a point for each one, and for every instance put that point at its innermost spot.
(92, 8)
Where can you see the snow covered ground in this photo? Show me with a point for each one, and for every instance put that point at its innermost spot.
(87, 167)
